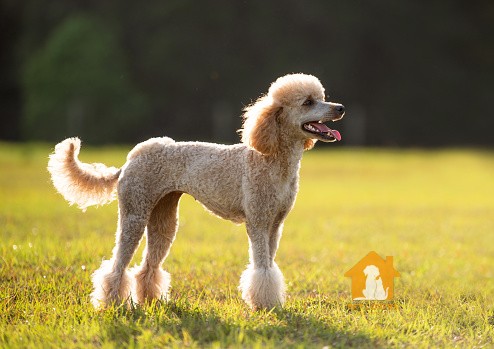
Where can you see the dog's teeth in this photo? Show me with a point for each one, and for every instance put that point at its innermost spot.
(311, 128)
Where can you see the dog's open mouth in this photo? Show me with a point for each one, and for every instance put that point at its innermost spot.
(322, 131)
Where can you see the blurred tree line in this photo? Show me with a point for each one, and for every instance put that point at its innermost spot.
(411, 73)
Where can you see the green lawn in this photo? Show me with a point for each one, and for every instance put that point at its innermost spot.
(432, 210)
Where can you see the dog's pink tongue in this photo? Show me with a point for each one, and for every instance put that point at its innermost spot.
(335, 134)
(325, 129)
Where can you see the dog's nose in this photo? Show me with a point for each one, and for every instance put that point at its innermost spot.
(340, 109)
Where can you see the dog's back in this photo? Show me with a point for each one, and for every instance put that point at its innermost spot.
(196, 168)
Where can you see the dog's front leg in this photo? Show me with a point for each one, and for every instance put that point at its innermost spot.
(274, 239)
(262, 283)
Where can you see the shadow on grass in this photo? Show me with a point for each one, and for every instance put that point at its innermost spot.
(182, 323)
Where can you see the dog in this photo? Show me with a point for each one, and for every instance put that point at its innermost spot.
(254, 182)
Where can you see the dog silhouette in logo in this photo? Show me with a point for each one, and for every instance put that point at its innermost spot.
(374, 289)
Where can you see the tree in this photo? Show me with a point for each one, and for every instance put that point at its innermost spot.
(78, 84)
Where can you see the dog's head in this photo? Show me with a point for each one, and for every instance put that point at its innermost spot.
(294, 109)
(372, 271)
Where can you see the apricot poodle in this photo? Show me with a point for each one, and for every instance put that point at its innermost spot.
(255, 182)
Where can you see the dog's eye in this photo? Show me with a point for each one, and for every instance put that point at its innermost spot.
(308, 102)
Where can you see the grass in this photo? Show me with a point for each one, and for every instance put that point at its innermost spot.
(432, 210)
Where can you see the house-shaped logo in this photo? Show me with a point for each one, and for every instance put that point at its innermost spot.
(373, 278)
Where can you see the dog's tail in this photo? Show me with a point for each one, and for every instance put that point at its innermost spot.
(80, 183)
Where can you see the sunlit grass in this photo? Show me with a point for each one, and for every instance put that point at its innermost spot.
(432, 210)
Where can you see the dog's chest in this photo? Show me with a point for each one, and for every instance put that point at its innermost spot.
(286, 192)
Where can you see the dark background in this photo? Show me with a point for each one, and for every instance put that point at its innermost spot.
(410, 73)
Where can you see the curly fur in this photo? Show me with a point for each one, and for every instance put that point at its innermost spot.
(79, 183)
(255, 182)
(263, 287)
(111, 286)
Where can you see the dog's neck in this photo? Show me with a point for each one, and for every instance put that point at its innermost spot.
(287, 159)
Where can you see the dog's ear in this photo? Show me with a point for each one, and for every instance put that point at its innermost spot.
(261, 126)
(264, 135)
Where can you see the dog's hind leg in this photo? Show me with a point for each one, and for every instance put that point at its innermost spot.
(112, 282)
(152, 281)
(262, 283)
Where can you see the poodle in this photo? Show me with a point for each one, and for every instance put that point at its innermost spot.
(254, 182)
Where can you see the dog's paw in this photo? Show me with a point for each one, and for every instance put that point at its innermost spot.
(110, 287)
(263, 288)
(151, 283)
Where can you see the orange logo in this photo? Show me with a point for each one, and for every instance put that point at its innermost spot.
(373, 278)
